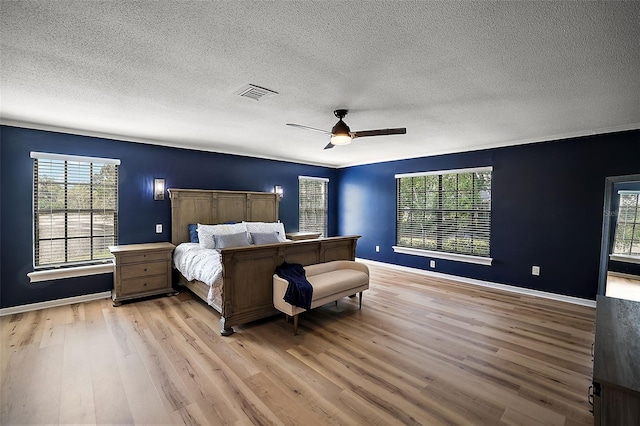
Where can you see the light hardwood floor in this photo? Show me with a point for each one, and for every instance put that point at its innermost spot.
(421, 351)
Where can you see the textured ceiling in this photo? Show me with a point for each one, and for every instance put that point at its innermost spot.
(459, 76)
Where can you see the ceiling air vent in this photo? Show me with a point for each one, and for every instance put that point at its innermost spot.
(254, 92)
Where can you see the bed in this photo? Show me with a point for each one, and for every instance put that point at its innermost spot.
(247, 272)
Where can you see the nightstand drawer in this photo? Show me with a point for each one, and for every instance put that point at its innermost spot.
(146, 257)
(143, 284)
(143, 269)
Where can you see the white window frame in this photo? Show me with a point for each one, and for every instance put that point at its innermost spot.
(303, 226)
(46, 272)
(635, 222)
(467, 258)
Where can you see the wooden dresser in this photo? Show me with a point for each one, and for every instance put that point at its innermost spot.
(141, 270)
(616, 362)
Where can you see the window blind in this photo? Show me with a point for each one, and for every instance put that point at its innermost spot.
(312, 207)
(447, 211)
(75, 202)
(627, 234)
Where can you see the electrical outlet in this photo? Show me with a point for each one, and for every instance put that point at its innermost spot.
(158, 228)
(535, 270)
(432, 263)
(377, 249)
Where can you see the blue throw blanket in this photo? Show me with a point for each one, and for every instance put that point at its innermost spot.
(299, 292)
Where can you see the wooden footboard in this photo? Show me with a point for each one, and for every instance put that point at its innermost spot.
(248, 274)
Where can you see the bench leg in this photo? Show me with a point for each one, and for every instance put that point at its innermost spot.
(360, 300)
(295, 324)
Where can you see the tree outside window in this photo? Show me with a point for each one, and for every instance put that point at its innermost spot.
(75, 209)
(446, 211)
(627, 234)
(312, 207)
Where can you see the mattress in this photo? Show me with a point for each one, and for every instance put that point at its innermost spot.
(205, 265)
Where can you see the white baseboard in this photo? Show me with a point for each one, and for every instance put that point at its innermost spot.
(505, 287)
(54, 303)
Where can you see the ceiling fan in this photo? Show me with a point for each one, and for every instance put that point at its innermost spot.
(341, 134)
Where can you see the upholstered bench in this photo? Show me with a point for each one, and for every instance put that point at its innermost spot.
(330, 281)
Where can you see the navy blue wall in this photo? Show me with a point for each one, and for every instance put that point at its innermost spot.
(138, 212)
(547, 208)
(547, 204)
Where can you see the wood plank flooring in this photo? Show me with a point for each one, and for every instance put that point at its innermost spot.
(421, 351)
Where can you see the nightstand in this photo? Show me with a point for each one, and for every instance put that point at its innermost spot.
(297, 236)
(141, 270)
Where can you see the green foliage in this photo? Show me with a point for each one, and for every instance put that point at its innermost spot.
(627, 233)
(76, 211)
(312, 205)
(96, 194)
(445, 212)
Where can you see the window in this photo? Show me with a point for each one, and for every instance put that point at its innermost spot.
(627, 235)
(75, 209)
(445, 214)
(312, 205)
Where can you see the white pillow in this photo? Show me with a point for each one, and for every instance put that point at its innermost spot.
(265, 228)
(206, 233)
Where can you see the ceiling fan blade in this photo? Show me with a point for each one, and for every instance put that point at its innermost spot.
(326, 132)
(379, 132)
(329, 146)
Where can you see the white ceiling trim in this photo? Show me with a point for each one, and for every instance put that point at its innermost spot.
(36, 126)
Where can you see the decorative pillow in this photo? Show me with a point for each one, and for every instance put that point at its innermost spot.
(231, 240)
(206, 233)
(264, 228)
(193, 232)
(264, 238)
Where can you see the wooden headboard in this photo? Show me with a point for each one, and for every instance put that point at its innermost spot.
(213, 207)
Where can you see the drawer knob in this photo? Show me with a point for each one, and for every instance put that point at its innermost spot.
(145, 284)
(145, 269)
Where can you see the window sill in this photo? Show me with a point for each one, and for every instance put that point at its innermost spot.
(77, 271)
(625, 258)
(478, 260)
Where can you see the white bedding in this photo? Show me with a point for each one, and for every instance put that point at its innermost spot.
(201, 264)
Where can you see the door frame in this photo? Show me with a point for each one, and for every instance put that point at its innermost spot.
(610, 181)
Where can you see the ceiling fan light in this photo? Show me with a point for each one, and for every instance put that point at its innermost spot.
(341, 139)
(341, 133)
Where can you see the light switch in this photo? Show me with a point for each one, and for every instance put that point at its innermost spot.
(158, 228)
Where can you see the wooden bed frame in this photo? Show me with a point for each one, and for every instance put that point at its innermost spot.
(247, 293)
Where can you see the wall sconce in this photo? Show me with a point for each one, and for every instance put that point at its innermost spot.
(158, 189)
(278, 190)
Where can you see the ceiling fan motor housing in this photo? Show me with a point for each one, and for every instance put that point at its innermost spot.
(340, 133)
(341, 128)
